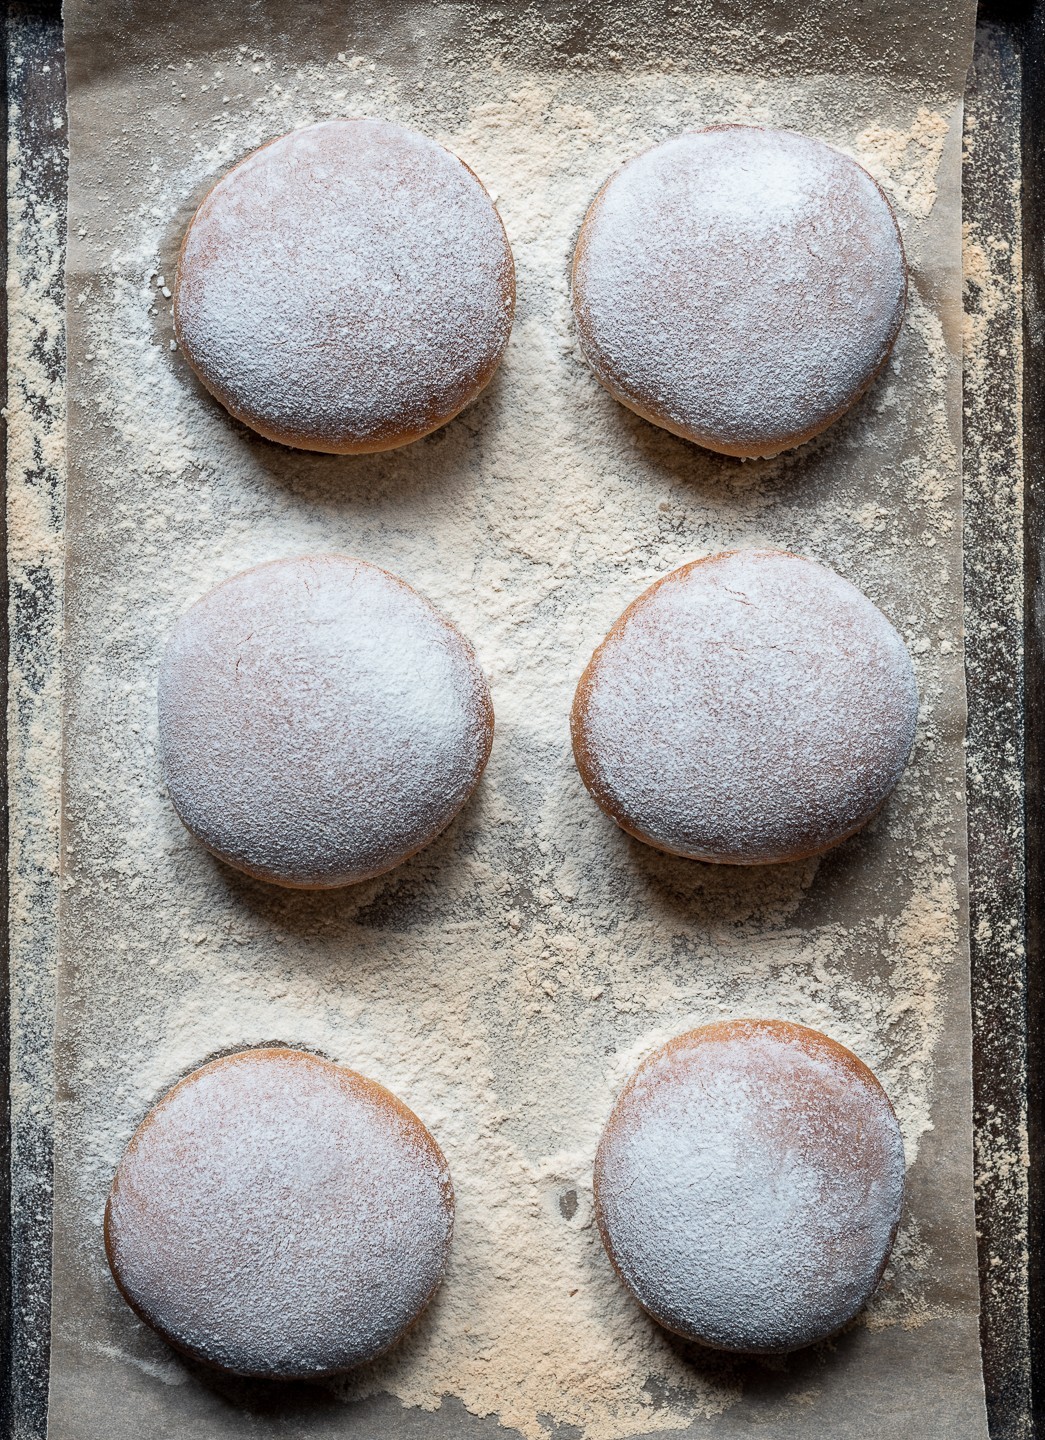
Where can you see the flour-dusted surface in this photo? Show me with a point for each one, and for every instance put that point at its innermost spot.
(278, 1215)
(749, 1184)
(752, 707)
(506, 980)
(319, 721)
(345, 288)
(35, 495)
(740, 286)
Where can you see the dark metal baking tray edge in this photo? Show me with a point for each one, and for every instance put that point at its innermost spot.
(1005, 661)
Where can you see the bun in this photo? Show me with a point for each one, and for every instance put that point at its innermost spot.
(277, 1215)
(739, 287)
(749, 708)
(347, 288)
(749, 1183)
(320, 721)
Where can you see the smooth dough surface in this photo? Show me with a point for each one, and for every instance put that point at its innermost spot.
(348, 287)
(278, 1215)
(740, 287)
(749, 1183)
(748, 708)
(319, 721)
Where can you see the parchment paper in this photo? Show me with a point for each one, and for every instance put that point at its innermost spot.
(505, 981)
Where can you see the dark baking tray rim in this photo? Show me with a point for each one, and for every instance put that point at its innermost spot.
(1012, 36)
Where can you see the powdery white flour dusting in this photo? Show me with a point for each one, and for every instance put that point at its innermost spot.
(277, 1215)
(506, 980)
(347, 287)
(319, 721)
(749, 1182)
(750, 707)
(740, 286)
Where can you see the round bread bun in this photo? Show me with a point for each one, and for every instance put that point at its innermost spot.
(748, 1185)
(740, 287)
(347, 288)
(749, 708)
(276, 1215)
(319, 721)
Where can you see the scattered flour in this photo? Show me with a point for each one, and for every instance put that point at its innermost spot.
(909, 159)
(35, 498)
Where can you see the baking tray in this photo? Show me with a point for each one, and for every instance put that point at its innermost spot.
(1005, 661)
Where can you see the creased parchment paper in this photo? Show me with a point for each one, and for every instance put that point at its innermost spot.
(506, 980)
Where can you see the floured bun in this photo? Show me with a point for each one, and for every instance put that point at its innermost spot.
(319, 721)
(277, 1215)
(748, 1185)
(346, 288)
(740, 287)
(748, 708)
